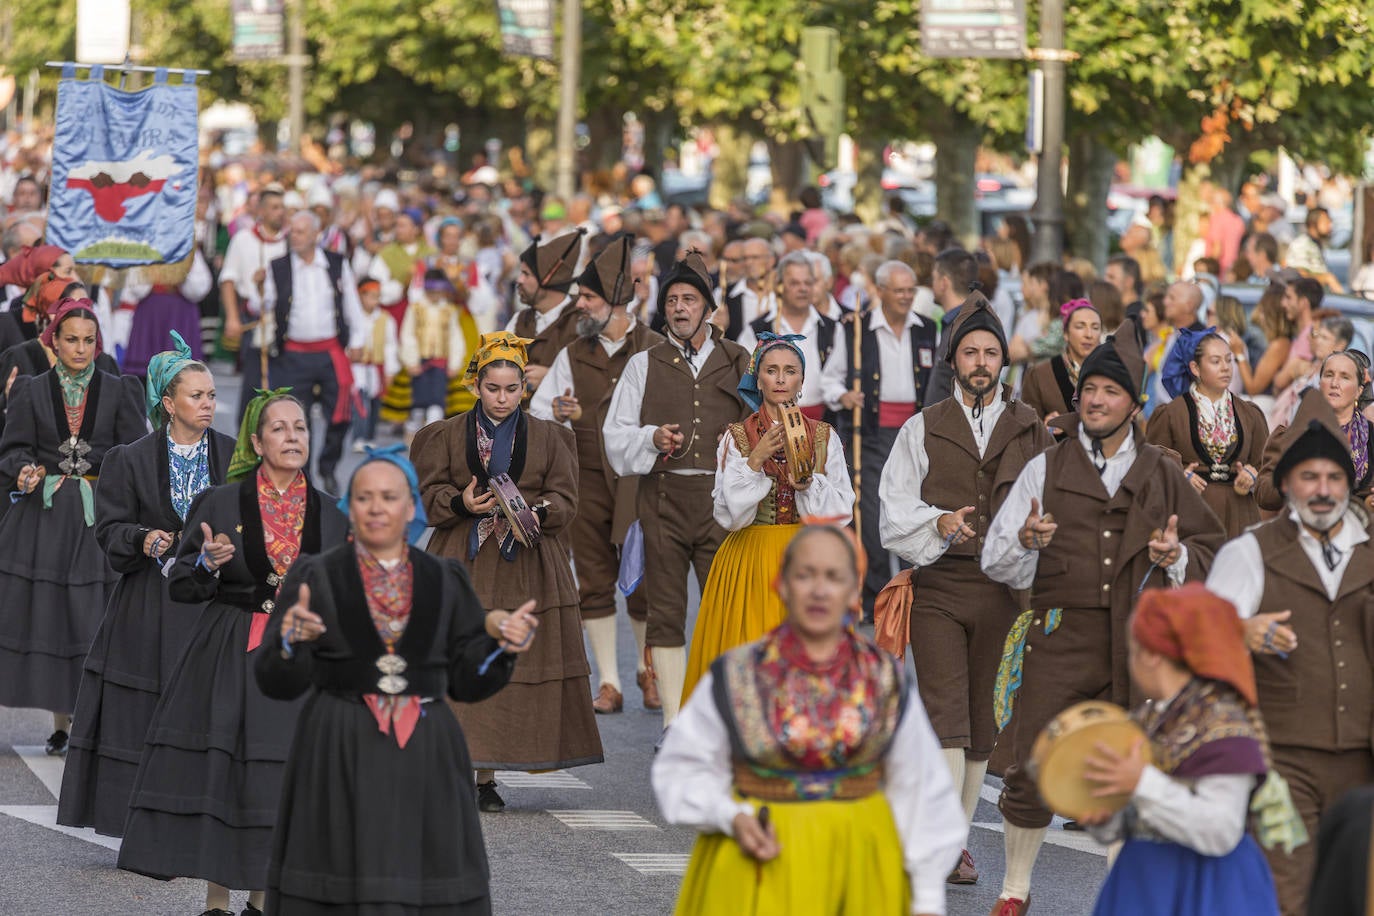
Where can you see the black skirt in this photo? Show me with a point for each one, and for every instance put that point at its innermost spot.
(368, 827)
(54, 581)
(139, 641)
(209, 779)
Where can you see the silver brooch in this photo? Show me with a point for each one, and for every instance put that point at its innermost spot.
(391, 666)
(273, 579)
(269, 606)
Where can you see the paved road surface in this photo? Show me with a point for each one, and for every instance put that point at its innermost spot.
(583, 842)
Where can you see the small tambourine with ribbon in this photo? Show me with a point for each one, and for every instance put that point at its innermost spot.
(523, 521)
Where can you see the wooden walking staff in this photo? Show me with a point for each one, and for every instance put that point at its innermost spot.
(856, 412)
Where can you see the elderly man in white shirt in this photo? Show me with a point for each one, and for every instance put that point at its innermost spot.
(315, 325)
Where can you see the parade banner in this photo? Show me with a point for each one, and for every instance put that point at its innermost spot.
(124, 168)
(526, 27)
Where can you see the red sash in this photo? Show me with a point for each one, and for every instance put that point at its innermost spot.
(892, 414)
(343, 371)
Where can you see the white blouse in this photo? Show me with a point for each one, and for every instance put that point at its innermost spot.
(693, 784)
(739, 488)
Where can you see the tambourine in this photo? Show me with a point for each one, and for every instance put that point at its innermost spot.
(1058, 756)
(523, 522)
(800, 450)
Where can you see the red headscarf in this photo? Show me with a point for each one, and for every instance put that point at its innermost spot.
(43, 298)
(29, 264)
(65, 308)
(1198, 629)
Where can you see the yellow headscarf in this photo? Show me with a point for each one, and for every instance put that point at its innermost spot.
(498, 346)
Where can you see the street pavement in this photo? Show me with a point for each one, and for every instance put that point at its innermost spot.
(582, 842)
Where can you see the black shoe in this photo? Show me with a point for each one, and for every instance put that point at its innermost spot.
(487, 798)
(217, 912)
(57, 744)
(1074, 826)
(250, 910)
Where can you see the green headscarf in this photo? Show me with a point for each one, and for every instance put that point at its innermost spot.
(245, 461)
(162, 368)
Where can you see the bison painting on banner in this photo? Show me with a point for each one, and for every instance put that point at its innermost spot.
(124, 171)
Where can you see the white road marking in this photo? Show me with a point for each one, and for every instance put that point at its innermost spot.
(603, 820)
(655, 863)
(49, 772)
(558, 779)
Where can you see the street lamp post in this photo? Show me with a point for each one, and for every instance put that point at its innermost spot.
(1048, 244)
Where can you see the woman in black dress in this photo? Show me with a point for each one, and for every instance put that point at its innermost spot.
(54, 579)
(377, 815)
(205, 797)
(141, 503)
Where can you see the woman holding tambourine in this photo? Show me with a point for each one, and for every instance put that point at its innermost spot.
(500, 489)
(766, 485)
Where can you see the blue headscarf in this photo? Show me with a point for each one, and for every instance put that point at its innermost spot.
(748, 387)
(162, 368)
(393, 454)
(1175, 375)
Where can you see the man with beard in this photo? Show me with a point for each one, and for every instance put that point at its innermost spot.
(665, 418)
(548, 319)
(1306, 255)
(1087, 525)
(577, 391)
(963, 453)
(1304, 582)
(243, 275)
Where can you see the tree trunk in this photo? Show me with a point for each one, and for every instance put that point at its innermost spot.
(868, 193)
(1085, 204)
(604, 137)
(730, 171)
(956, 149)
(789, 172)
(1186, 211)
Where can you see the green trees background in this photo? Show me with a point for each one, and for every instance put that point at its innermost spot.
(1220, 79)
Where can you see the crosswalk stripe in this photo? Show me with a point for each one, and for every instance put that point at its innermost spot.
(603, 820)
(655, 863)
(558, 779)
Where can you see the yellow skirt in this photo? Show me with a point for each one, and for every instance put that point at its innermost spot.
(838, 858)
(738, 604)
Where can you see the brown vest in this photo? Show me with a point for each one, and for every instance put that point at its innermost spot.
(594, 378)
(702, 406)
(958, 477)
(551, 340)
(1080, 567)
(1322, 695)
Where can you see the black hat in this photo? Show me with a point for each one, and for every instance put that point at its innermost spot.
(976, 314)
(692, 271)
(1314, 433)
(553, 262)
(1118, 358)
(608, 275)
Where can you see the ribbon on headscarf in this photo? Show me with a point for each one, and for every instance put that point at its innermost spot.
(1175, 375)
(748, 387)
(394, 454)
(245, 461)
(162, 368)
(65, 308)
(502, 345)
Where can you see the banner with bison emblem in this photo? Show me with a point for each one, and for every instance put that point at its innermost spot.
(124, 170)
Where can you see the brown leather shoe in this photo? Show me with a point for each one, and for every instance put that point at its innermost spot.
(649, 687)
(964, 872)
(608, 700)
(1011, 906)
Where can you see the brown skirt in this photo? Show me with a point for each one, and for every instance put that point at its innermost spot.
(542, 719)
